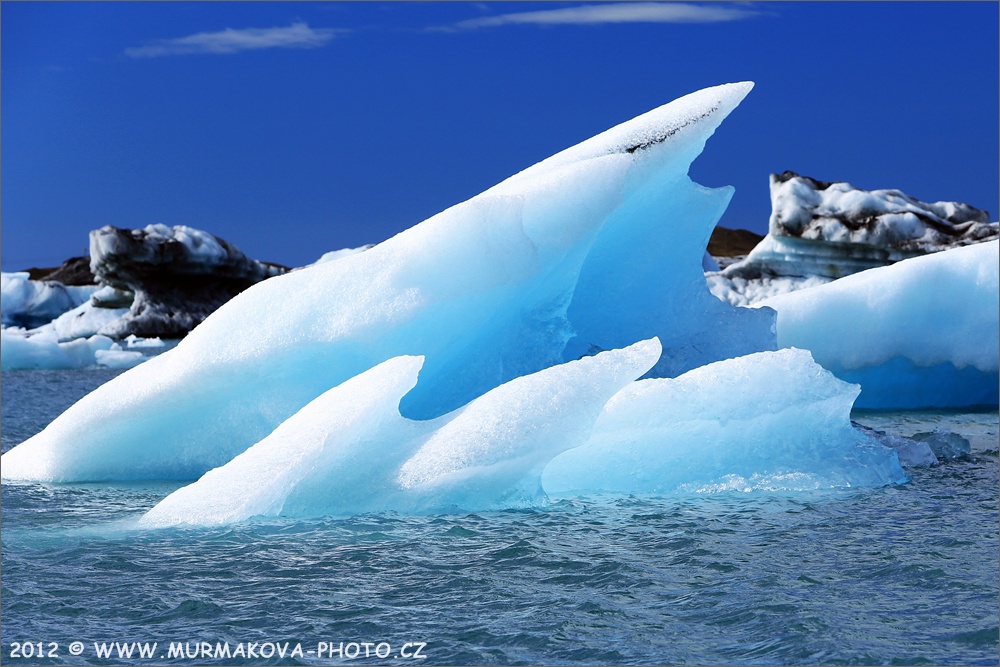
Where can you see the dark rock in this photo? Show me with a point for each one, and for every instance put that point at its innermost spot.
(727, 242)
(75, 271)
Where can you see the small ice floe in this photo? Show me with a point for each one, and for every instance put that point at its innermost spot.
(134, 341)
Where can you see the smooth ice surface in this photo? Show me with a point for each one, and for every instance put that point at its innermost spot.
(770, 421)
(594, 248)
(346, 429)
(350, 451)
(31, 303)
(920, 333)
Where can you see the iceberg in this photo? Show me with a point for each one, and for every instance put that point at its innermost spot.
(349, 451)
(765, 421)
(27, 303)
(833, 229)
(70, 341)
(178, 276)
(581, 426)
(134, 341)
(23, 350)
(563, 260)
(920, 333)
(819, 231)
(740, 291)
(86, 320)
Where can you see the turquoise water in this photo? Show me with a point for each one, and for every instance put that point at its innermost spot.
(898, 575)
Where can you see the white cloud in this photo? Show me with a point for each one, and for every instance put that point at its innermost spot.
(624, 12)
(295, 36)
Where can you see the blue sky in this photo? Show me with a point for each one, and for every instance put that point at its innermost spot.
(291, 128)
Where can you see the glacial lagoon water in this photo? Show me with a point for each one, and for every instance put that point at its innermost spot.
(898, 575)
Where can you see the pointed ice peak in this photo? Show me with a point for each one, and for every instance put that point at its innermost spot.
(696, 114)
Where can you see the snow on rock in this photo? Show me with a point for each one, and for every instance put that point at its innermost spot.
(567, 258)
(74, 271)
(834, 229)
(772, 421)
(350, 451)
(179, 276)
(920, 333)
(31, 303)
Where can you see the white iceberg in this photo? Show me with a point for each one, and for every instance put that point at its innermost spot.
(84, 321)
(772, 420)
(25, 350)
(566, 258)
(917, 334)
(134, 341)
(27, 303)
(69, 341)
(350, 451)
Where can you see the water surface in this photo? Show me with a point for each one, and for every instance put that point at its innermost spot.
(898, 575)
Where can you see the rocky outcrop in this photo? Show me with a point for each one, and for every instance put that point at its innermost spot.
(832, 229)
(75, 271)
(727, 242)
(179, 276)
(729, 246)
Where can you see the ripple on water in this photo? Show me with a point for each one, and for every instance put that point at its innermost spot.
(900, 575)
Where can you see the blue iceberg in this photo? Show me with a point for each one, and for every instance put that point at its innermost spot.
(773, 421)
(584, 426)
(488, 357)
(350, 451)
(595, 248)
(921, 333)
